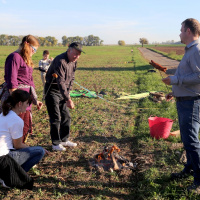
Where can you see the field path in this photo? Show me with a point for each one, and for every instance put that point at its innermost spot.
(160, 59)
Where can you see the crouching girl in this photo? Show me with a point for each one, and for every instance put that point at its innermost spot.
(11, 131)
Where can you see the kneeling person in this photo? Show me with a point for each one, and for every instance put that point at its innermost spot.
(11, 131)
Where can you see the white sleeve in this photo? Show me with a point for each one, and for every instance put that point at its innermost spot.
(40, 64)
(16, 129)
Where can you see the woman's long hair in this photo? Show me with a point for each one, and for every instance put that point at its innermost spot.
(25, 48)
(16, 96)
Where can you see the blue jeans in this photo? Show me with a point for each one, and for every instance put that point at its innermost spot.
(189, 122)
(27, 157)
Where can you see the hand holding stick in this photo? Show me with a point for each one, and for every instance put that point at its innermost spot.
(163, 69)
(39, 105)
(169, 96)
(166, 80)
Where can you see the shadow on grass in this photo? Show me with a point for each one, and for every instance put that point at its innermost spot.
(74, 188)
(106, 68)
(77, 188)
(137, 68)
(103, 139)
(69, 186)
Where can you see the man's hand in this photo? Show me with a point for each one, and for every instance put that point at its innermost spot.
(39, 105)
(169, 96)
(70, 104)
(166, 80)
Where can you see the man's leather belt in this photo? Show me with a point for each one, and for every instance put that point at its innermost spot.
(187, 98)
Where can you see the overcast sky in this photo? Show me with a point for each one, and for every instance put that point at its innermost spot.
(111, 20)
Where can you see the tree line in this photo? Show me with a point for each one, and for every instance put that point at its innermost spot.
(91, 40)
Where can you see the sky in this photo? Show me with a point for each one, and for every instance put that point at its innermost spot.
(110, 20)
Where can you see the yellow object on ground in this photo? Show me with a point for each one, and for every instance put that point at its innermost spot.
(136, 96)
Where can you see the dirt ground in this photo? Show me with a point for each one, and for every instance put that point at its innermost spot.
(179, 50)
(170, 64)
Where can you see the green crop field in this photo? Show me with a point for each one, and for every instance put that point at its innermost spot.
(100, 122)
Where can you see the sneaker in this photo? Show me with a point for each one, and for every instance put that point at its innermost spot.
(34, 166)
(3, 184)
(69, 144)
(194, 188)
(181, 175)
(58, 147)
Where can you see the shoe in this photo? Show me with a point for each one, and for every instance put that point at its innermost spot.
(3, 184)
(58, 147)
(34, 166)
(181, 175)
(69, 144)
(194, 188)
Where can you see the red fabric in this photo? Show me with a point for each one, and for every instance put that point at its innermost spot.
(27, 118)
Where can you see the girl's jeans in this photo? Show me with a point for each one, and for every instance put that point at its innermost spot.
(27, 157)
(189, 122)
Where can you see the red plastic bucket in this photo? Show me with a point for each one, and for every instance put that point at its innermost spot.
(160, 127)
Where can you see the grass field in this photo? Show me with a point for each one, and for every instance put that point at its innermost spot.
(97, 123)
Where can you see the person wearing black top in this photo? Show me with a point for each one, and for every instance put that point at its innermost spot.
(57, 95)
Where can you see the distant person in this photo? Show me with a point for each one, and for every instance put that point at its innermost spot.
(18, 75)
(57, 96)
(11, 132)
(44, 66)
(186, 89)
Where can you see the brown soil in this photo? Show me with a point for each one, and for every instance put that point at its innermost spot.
(179, 50)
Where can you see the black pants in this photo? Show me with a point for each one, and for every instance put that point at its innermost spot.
(59, 115)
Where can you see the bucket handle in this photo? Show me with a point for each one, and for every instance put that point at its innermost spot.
(153, 116)
(173, 120)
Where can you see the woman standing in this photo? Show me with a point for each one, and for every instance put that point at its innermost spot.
(18, 75)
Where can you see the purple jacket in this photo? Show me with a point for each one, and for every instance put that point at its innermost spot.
(18, 72)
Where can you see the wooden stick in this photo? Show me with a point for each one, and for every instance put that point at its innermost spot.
(116, 167)
(95, 88)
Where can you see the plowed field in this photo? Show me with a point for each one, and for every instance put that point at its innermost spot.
(178, 49)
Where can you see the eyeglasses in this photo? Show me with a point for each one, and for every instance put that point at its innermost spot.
(34, 49)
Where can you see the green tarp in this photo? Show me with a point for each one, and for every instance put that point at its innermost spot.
(83, 93)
